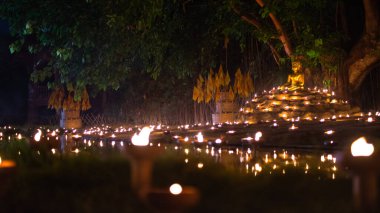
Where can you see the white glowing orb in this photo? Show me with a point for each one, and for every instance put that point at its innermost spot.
(218, 141)
(370, 119)
(200, 165)
(141, 139)
(200, 137)
(360, 147)
(37, 136)
(175, 189)
(258, 135)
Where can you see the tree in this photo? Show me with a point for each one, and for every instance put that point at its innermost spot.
(80, 43)
(365, 54)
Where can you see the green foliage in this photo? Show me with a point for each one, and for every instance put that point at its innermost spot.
(99, 43)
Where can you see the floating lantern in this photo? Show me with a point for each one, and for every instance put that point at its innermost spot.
(141, 139)
(360, 147)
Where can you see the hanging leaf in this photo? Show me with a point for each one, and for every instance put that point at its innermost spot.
(85, 105)
(208, 96)
(227, 79)
(195, 93)
(231, 94)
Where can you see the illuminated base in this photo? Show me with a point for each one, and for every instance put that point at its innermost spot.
(218, 118)
(303, 104)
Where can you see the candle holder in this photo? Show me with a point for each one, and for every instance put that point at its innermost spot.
(7, 170)
(165, 201)
(141, 158)
(365, 170)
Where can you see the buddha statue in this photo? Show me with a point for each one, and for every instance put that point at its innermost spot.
(296, 80)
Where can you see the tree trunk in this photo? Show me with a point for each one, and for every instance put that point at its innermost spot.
(364, 56)
(70, 119)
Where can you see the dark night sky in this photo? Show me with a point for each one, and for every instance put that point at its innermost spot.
(13, 83)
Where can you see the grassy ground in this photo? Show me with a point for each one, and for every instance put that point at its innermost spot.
(99, 182)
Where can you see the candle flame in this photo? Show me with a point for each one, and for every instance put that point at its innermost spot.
(175, 189)
(141, 139)
(37, 136)
(258, 135)
(200, 137)
(360, 147)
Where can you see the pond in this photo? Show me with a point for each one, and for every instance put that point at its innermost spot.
(253, 149)
(232, 165)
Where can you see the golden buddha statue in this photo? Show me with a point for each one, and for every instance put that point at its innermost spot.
(296, 80)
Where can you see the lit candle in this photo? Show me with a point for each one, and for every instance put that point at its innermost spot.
(7, 164)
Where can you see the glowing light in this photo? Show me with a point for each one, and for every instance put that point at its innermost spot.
(249, 138)
(329, 132)
(258, 167)
(370, 119)
(19, 136)
(37, 136)
(141, 139)
(293, 127)
(200, 165)
(186, 139)
(175, 189)
(218, 141)
(258, 135)
(200, 137)
(329, 157)
(76, 136)
(360, 147)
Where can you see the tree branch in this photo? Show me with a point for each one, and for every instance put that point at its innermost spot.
(282, 36)
(372, 17)
(257, 24)
(246, 18)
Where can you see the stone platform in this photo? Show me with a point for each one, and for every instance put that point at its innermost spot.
(301, 104)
